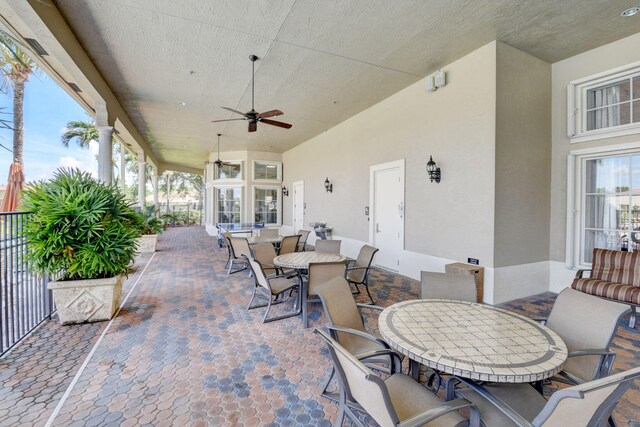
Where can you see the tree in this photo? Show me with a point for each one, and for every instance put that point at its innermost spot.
(16, 68)
(81, 132)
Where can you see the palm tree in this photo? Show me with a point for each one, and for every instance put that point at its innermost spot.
(81, 132)
(16, 67)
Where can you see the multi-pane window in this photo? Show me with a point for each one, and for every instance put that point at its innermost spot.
(228, 202)
(266, 171)
(614, 104)
(266, 203)
(228, 171)
(611, 204)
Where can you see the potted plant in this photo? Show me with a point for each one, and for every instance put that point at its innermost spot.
(82, 233)
(149, 226)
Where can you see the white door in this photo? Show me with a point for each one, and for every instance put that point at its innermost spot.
(386, 229)
(298, 206)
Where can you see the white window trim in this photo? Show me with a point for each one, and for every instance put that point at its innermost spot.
(253, 203)
(575, 183)
(224, 186)
(267, 162)
(230, 181)
(576, 102)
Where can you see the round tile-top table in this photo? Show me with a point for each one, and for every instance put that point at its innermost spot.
(301, 260)
(474, 341)
(254, 240)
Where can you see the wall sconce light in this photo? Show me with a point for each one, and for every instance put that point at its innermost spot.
(285, 192)
(433, 170)
(328, 185)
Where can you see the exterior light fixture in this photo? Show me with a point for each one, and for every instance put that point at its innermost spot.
(630, 12)
(433, 170)
(285, 192)
(328, 185)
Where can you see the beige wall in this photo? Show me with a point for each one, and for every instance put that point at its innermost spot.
(523, 158)
(456, 124)
(602, 59)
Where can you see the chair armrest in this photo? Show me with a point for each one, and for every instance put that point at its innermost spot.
(357, 268)
(591, 352)
(377, 353)
(518, 419)
(373, 307)
(580, 273)
(333, 329)
(446, 407)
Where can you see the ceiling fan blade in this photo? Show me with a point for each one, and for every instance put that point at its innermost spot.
(253, 126)
(271, 113)
(226, 120)
(276, 123)
(234, 111)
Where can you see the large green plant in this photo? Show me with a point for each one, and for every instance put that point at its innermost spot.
(80, 228)
(148, 223)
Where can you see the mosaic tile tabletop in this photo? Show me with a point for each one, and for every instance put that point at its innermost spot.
(303, 259)
(254, 240)
(473, 341)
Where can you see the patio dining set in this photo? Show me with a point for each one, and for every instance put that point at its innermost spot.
(467, 363)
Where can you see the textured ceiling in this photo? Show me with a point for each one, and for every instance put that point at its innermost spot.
(321, 62)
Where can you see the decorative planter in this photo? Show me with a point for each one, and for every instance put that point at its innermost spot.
(146, 243)
(91, 300)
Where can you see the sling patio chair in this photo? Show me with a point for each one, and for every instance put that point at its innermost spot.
(302, 243)
(395, 401)
(358, 270)
(273, 289)
(318, 273)
(265, 253)
(289, 244)
(268, 232)
(460, 287)
(346, 325)
(588, 404)
(238, 246)
(328, 246)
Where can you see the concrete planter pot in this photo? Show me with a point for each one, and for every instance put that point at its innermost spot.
(146, 243)
(91, 300)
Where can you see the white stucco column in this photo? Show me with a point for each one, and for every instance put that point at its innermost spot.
(105, 151)
(155, 190)
(123, 172)
(142, 180)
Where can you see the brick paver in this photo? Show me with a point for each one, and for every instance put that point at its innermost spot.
(185, 351)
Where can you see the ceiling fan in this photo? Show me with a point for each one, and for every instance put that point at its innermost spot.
(252, 116)
(219, 163)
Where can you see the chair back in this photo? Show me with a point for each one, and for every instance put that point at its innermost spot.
(360, 384)
(268, 232)
(289, 244)
(363, 263)
(341, 309)
(258, 273)
(456, 286)
(321, 272)
(227, 236)
(589, 404)
(264, 253)
(239, 246)
(328, 246)
(616, 266)
(584, 322)
(304, 235)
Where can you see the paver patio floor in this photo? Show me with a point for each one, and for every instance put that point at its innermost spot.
(185, 351)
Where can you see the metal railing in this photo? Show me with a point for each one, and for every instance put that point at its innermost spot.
(181, 214)
(25, 301)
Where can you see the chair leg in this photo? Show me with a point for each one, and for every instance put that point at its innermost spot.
(366, 286)
(632, 318)
(255, 289)
(342, 405)
(324, 390)
(305, 310)
(266, 313)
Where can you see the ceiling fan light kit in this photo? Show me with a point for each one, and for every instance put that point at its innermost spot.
(252, 116)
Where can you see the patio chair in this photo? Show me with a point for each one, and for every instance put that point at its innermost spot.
(358, 270)
(589, 404)
(268, 232)
(346, 325)
(319, 273)
(587, 325)
(461, 287)
(289, 244)
(238, 246)
(302, 243)
(328, 246)
(272, 286)
(265, 253)
(395, 401)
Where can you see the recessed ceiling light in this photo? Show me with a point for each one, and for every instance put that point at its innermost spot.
(184, 104)
(631, 11)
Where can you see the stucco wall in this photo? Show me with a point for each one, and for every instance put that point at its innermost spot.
(456, 124)
(523, 158)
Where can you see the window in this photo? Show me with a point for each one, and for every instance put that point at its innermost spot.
(266, 205)
(267, 171)
(605, 105)
(610, 203)
(228, 171)
(228, 202)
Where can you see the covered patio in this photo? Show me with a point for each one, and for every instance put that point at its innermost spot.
(185, 351)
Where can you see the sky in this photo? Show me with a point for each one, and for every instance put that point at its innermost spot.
(47, 109)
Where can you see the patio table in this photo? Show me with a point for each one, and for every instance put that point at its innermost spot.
(301, 260)
(254, 240)
(475, 341)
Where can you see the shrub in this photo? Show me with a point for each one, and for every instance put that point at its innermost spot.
(80, 228)
(148, 223)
